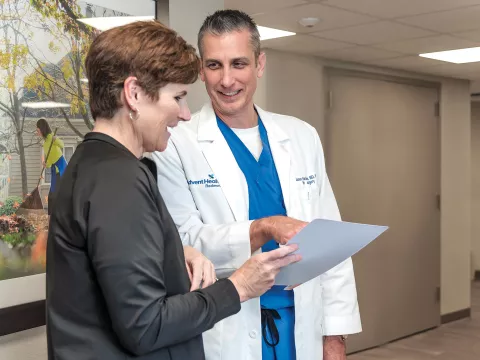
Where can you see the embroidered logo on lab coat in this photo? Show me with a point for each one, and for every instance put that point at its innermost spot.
(208, 182)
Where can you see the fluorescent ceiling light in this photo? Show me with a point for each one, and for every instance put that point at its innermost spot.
(44, 105)
(270, 33)
(105, 23)
(460, 56)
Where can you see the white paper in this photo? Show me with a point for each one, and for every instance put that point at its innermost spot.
(323, 245)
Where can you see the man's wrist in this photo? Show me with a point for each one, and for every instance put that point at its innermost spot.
(342, 338)
(260, 233)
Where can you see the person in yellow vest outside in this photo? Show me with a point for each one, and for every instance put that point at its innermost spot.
(55, 159)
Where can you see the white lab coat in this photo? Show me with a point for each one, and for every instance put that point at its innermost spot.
(207, 196)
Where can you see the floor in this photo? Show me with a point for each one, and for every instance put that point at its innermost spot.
(459, 340)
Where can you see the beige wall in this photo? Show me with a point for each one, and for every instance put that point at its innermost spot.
(456, 195)
(186, 17)
(290, 75)
(294, 84)
(475, 185)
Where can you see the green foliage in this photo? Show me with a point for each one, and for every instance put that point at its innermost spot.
(10, 206)
(19, 239)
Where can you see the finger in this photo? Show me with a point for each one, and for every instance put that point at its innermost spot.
(197, 275)
(284, 240)
(287, 260)
(208, 275)
(214, 274)
(280, 252)
(189, 272)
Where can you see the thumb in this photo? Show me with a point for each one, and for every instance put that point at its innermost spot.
(281, 252)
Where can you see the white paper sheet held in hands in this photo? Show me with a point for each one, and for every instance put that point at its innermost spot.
(323, 245)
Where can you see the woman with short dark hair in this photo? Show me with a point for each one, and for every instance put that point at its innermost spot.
(120, 284)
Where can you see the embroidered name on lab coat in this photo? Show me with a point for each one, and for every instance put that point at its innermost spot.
(309, 180)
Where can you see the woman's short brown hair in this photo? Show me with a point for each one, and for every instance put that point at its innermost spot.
(148, 50)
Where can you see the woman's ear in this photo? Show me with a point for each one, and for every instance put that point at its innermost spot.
(131, 90)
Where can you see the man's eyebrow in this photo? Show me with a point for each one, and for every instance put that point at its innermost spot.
(183, 93)
(243, 58)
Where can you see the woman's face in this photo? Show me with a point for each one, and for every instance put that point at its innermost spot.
(39, 133)
(157, 116)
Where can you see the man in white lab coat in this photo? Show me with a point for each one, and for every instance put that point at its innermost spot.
(239, 180)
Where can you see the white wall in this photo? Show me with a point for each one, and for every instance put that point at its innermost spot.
(294, 84)
(475, 185)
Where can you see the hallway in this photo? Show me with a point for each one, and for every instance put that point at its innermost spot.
(459, 340)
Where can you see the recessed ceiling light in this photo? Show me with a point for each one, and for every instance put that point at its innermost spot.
(459, 56)
(44, 105)
(105, 23)
(267, 33)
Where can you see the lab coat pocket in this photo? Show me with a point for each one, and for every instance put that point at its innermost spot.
(308, 192)
(307, 200)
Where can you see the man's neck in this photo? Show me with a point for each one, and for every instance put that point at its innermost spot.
(247, 118)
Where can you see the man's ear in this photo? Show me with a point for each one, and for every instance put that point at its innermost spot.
(202, 72)
(262, 61)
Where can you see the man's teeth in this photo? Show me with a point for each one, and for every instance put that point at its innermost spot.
(231, 93)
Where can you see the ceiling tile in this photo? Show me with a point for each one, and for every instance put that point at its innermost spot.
(358, 53)
(428, 44)
(303, 44)
(330, 18)
(399, 8)
(447, 21)
(469, 35)
(405, 62)
(378, 32)
(254, 7)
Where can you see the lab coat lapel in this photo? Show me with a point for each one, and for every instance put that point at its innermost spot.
(223, 164)
(280, 147)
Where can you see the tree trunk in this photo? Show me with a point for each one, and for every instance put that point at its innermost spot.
(23, 163)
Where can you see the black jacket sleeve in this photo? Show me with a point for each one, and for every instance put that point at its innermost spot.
(126, 244)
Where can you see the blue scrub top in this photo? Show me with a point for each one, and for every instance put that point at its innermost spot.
(265, 199)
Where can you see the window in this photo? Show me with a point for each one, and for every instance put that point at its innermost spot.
(68, 153)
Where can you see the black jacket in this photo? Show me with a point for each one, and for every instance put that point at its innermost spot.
(117, 286)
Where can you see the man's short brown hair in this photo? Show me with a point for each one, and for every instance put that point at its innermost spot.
(148, 50)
